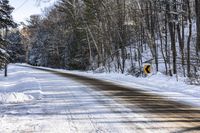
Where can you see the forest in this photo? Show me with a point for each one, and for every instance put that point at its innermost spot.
(112, 36)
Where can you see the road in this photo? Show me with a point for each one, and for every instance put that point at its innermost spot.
(76, 104)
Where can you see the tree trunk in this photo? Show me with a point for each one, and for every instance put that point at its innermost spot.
(181, 45)
(171, 26)
(197, 3)
(6, 62)
(189, 39)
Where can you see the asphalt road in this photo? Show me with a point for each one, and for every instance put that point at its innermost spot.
(162, 114)
(72, 103)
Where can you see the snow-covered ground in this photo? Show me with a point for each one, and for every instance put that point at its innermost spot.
(173, 88)
(19, 87)
(39, 101)
(14, 97)
(42, 102)
(158, 83)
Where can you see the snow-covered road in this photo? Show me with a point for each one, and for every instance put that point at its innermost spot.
(33, 100)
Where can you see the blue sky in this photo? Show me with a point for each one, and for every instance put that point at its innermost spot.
(25, 8)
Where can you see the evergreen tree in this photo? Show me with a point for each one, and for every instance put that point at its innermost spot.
(6, 21)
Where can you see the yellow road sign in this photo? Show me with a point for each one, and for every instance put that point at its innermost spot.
(147, 69)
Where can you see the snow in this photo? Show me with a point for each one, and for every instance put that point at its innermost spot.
(39, 101)
(2, 51)
(15, 98)
(159, 84)
(12, 89)
(172, 88)
(32, 100)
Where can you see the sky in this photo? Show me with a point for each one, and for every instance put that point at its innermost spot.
(25, 8)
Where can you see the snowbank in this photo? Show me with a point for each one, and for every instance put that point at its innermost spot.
(173, 88)
(20, 86)
(15, 98)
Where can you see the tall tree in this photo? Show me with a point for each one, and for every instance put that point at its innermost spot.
(197, 5)
(5, 22)
(110, 34)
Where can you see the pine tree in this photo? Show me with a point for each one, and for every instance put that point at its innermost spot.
(6, 21)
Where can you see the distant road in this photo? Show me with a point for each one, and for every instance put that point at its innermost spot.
(74, 103)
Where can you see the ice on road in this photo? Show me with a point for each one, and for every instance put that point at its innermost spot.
(54, 104)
